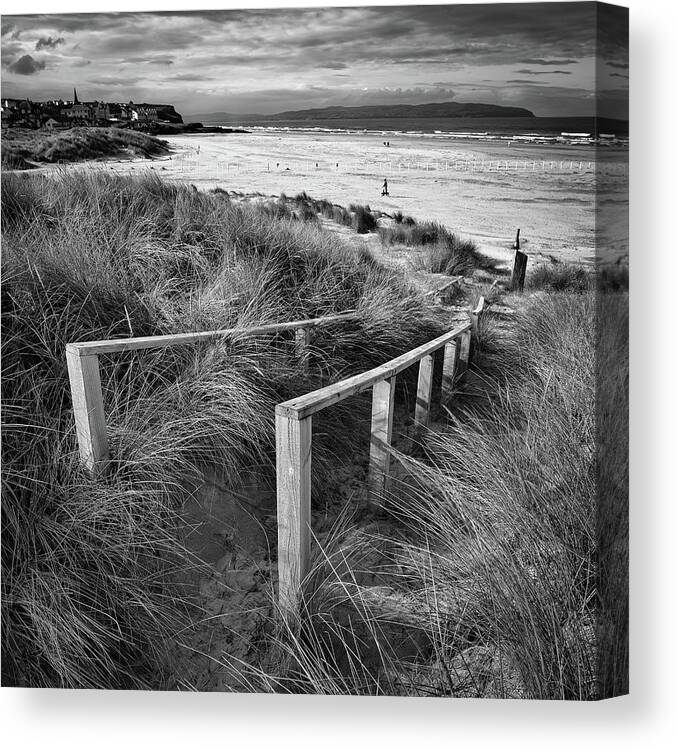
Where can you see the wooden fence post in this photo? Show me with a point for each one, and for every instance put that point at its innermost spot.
(517, 245)
(380, 439)
(518, 272)
(424, 387)
(88, 409)
(475, 316)
(449, 366)
(464, 352)
(302, 340)
(293, 470)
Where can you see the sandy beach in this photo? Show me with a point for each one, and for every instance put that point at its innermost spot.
(480, 189)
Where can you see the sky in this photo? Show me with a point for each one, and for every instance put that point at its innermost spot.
(541, 56)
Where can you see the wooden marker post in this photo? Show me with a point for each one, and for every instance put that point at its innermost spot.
(517, 245)
(88, 409)
(518, 272)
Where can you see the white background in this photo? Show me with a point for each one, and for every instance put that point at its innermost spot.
(646, 719)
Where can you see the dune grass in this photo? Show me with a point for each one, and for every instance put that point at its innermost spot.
(20, 146)
(442, 250)
(502, 569)
(570, 277)
(88, 598)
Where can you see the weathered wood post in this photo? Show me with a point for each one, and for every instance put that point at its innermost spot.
(464, 352)
(518, 272)
(88, 409)
(302, 340)
(517, 245)
(449, 366)
(380, 439)
(475, 316)
(293, 473)
(424, 388)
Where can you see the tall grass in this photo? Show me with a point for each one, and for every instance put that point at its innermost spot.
(88, 593)
(500, 565)
(442, 250)
(364, 220)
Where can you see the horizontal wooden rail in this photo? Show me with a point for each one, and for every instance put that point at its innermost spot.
(82, 358)
(304, 406)
(175, 339)
(294, 442)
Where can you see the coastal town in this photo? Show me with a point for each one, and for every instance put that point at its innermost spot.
(60, 113)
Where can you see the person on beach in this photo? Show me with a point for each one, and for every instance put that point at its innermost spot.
(384, 190)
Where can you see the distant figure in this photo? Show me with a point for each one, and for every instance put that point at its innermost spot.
(337, 165)
(384, 190)
(388, 144)
(316, 165)
(277, 165)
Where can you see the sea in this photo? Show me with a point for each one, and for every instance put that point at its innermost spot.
(536, 129)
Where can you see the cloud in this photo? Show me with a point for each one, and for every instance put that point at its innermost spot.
(114, 81)
(524, 71)
(541, 61)
(49, 42)
(191, 77)
(228, 59)
(618, 75)
(621, 65)
(26, 66)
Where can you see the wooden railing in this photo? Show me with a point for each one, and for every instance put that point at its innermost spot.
(293, 428)
(292, 419)
(83, 371)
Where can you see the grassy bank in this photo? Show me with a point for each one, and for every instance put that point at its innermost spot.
(86, 564)
(20, 146)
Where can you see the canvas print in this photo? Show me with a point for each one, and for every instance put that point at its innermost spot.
(315, 350)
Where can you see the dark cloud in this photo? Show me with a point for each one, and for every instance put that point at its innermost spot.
(335, 65)
(48, 42)
(163, 60)
(620, 65)
(191, 77)
(541, 61)
(618, 75)
(544, 72)
(26, 66)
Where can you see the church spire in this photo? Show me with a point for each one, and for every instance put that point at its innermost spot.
(75, 96)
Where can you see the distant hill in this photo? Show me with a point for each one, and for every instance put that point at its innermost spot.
(443, 109)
